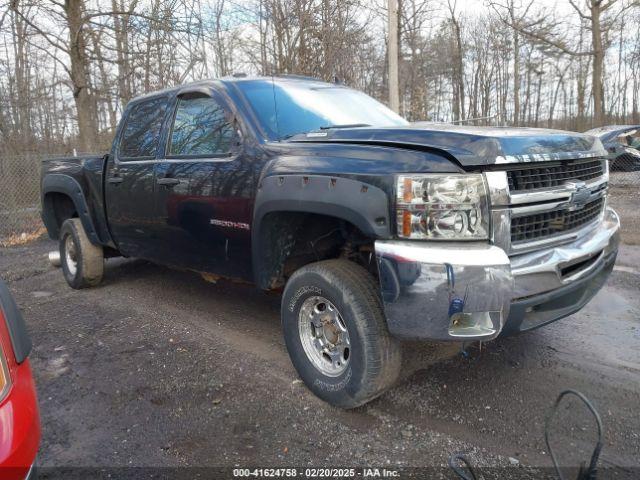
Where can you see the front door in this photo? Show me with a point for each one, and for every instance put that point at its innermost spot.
(204, 189)
(130, 179)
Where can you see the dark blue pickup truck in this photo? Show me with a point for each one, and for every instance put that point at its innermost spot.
(374, 229)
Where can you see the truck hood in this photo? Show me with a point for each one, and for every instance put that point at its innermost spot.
(470, 146)
(610, 133)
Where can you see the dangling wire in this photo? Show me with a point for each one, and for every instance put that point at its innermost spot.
(591, 471)
(588, 473)
(454, 464)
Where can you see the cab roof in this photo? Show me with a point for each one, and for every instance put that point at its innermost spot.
(228, 80)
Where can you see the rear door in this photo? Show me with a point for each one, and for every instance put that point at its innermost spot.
(130, 182)
(204, 188)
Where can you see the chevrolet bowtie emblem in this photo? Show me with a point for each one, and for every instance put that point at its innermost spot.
(557, 223)
(580, 195)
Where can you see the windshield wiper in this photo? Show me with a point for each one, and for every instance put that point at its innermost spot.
(346, 125)
(327, 127)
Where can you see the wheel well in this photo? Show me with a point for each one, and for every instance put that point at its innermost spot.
(58, 207)
(290, 240)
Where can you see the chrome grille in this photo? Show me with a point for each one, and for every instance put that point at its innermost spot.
(545, 203)
(553, 175)
(541, 226)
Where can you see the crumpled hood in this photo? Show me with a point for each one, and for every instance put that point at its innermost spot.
(471, 146)
(610, 133)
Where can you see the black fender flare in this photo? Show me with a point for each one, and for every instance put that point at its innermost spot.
(59, 183)
(363, 205)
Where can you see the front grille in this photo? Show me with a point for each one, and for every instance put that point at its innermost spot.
(582, 265)
(541, 226)
(548, 176)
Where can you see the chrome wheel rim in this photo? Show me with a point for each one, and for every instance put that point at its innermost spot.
(71, 255)
(324, 336)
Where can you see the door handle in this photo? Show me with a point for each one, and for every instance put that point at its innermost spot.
(115, 180)
(168, 182)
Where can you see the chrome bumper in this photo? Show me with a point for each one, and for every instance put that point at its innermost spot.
(464, 291)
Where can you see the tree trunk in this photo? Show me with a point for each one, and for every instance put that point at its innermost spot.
(635, 113)
(458, 69)
(85, 106)
(516, 78)
(598, 65)
(121, 34)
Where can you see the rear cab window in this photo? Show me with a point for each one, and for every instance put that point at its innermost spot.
(142, 130)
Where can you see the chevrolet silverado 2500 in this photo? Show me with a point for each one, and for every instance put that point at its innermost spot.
(374, 229)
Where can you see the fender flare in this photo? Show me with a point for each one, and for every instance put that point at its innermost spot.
(363, 205)
(58, 183)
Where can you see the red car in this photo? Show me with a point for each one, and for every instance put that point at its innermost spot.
(19, 417)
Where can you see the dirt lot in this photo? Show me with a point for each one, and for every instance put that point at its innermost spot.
(157, 368)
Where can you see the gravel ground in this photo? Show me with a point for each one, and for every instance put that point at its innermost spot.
(158, 368)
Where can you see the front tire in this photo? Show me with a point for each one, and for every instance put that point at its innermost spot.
(82, 261)
(336, 334)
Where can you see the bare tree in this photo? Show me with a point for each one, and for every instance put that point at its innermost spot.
(596, 17)
(69, 67)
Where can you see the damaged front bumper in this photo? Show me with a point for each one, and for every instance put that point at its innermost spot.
(473, 291)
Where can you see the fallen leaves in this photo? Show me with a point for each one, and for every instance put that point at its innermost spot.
(20, 239)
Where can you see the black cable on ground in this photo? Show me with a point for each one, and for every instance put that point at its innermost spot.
(454, 463)
(591, 471)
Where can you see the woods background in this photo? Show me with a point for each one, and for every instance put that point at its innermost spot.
(68, 67)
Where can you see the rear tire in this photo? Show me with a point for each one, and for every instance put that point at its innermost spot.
(336, 333)
(82, 261)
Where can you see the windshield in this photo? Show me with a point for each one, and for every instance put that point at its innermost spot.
(301, 107)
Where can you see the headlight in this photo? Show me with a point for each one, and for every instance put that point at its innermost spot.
(442, 207)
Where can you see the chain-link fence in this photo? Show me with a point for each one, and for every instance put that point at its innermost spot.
(624, 182)
(20, 196)
(624, 169)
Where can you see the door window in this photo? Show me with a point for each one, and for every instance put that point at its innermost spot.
(200, 129)
(142, 129)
